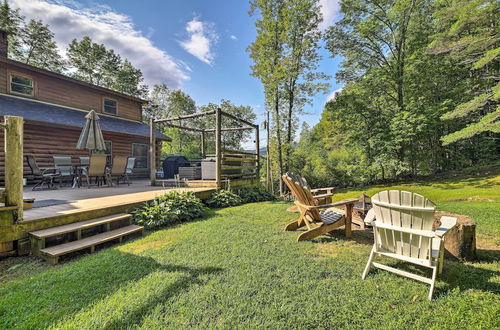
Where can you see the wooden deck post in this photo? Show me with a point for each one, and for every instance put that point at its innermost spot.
(152, 151)
(257, 148)
(202, 144)
(14, 163)
(218, 149)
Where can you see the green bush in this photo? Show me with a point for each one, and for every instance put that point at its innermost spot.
(170, 208)
(223, 198)
(255, 194)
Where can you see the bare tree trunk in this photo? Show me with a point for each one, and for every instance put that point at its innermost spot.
(278, 137)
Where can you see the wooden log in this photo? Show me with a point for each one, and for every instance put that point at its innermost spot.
(14, 164)
(460, 242)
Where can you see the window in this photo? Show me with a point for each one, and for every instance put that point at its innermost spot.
(109, 106)
(21, 85)
(140, 152)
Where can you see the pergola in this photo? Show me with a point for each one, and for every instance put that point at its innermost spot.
(224, 170)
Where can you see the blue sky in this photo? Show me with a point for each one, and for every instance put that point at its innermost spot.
(196, 45)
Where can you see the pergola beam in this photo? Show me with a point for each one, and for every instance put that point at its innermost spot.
(194, 115)
(183, 127)
(230, 129)
(228, 115)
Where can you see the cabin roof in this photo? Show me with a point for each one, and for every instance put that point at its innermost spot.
(56, 114)
(66, 78)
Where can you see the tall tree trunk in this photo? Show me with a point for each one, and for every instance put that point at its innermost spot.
(278, 137)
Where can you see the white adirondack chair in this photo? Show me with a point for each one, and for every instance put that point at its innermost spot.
(402, 228)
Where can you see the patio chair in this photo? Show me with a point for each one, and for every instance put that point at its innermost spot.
(130, 167)
(84, 161)
(119, 169)
(322, 195)
(403, 229)
(45, 175)
(319, 218)
(97, 170)
(64, 166)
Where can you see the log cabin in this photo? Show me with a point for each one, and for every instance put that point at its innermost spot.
(54, 107)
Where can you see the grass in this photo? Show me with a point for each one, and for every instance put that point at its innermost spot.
(236, 268)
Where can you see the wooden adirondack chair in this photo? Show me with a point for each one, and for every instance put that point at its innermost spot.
(318, 221)
(402, 226)
(322, 195)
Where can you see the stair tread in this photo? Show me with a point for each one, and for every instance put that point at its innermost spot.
(61, 249)
(59, 230)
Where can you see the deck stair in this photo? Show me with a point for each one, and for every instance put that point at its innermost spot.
(81, 235)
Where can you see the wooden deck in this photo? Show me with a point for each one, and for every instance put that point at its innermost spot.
(69, 201)
(68, 205)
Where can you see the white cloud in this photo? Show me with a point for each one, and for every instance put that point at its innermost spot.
(233, 37)
(333, 94)
(330, 10)
(69, 20)
(200, 41)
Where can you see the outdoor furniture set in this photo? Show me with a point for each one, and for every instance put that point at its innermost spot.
(402, 221)
(93, 167)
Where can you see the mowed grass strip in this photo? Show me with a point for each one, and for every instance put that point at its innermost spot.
(237, 268)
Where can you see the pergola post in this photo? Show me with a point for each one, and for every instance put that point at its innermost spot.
(202, 144)
(14, 163)
(257, 148)
(218, 148)
(152, 151)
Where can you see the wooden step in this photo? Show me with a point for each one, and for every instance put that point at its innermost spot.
(76, 226)
(52, 253)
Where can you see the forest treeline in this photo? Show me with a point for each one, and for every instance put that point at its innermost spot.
(420, 96)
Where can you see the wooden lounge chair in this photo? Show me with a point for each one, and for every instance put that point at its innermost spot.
(403, 229)
(322, 195)
(119, 169)
(97, 170)
(44, 175)
(319, 218)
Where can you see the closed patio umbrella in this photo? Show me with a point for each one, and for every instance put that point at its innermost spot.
(91, 137)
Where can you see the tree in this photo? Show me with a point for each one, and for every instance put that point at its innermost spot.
(471, 35)
(11, 21)
(92, 62)
(267, 52)
(129, 80)
(300, 62)
(158, 106)
(36, 46)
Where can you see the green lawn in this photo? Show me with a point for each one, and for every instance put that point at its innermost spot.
(237, 268)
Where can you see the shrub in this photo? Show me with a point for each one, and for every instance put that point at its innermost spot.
(170, 208)
(223, 198)
(255, 194)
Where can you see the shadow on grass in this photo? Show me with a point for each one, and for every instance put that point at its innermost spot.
(456, 274)
(71, 288)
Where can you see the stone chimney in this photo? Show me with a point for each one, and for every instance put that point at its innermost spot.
(4, 43)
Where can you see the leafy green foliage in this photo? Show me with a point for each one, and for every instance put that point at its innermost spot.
(37, 47)
(254, 194)
(223, 198)
(469, 33)
(386, 123)
(170, 208)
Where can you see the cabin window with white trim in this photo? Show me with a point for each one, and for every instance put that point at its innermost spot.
(21, 85)
(140, 152)
(110, 106)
